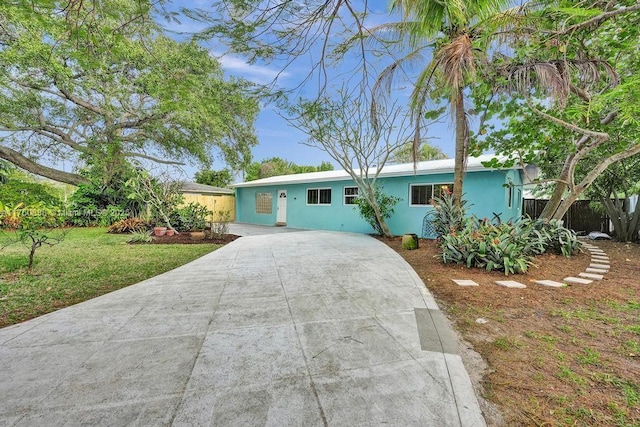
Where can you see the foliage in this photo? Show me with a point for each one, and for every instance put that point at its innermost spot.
(111, 215)
(276, 166)
(192, 217)
(221, 178)
(508, 247)
(449, 216)
(104, 191)
(220, 224)
(15, 191)
(610, 193)
(139, 236)
(105, 84)
(385, 204)
(405, 154)
(161, 194)
(128, 225)
(569, 106)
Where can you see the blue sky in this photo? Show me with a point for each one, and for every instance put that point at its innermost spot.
(276, 137)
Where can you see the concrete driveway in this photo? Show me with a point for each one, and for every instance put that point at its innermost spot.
(308, 328)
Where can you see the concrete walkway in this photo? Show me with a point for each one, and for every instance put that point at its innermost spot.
(305, 328)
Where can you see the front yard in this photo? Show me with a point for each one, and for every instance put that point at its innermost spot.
(556, 356)
(88, 263)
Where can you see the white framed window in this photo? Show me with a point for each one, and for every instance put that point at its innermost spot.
(421, 194)
(264, 203)
(350, 195)
(318, 196)
(510, 196)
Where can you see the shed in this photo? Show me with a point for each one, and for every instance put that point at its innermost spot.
(325, 200)
(216, 199)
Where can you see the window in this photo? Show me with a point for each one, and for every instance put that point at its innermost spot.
(263, 203)
(509, 196)
(421, 194)
(350, 195)
(318, 196)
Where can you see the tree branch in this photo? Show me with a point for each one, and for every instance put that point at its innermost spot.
(38, 169)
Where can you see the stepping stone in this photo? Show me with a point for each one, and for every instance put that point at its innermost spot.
(460, 282)
(510, 284)
(550, 283)
(577, 280)
(591, 276)
(596, 270)
(599, 261)
(600, 266)
(602, 257)
(597, 251)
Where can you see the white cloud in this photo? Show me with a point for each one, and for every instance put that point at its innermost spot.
(256, 73)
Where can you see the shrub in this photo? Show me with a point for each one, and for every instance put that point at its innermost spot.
(191, 217)
(220, 225)
(128, 225)
(111, 215)
(508, 247)
(449, 217)
(140, 237)
(386, 205)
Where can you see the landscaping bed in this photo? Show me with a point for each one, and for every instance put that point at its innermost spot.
(556, 356)
(185, 238)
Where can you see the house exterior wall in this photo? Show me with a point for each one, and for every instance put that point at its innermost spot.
(484, 190)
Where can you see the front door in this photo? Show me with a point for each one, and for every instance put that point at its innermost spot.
(281, 208)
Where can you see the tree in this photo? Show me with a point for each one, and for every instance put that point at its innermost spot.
(613, 189)
(405, 154)
(361, 144)
(276, 166)
(459, 33)
(221, 178)
(160, 193)
(102, 84)
(570, 88)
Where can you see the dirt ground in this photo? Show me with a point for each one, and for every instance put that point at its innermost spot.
(554, 356)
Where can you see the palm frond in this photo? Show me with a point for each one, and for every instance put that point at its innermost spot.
(456, 62)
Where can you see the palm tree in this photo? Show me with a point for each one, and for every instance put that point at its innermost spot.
(459, 33)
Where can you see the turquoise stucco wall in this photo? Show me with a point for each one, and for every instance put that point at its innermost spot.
(484, 190)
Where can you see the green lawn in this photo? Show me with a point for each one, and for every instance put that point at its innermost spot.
(88, 263)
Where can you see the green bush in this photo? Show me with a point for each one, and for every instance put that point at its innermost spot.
(386, 205)
(110, 215)
(192, 217)
(15, 191)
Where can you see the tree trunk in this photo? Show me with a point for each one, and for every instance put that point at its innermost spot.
(383, 224)
(462, 143)
(35, 168)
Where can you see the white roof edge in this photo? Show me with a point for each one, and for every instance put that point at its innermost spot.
(432, 167)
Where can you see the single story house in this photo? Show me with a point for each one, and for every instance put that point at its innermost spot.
(325, 200)
(216, 199)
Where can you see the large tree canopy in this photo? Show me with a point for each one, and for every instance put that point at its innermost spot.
(574, 85)
(99, 83)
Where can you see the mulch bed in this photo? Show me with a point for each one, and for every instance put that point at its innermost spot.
(185, 238)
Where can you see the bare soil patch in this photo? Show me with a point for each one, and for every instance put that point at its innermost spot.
(556, 356)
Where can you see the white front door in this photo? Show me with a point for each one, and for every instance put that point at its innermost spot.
(281, 208)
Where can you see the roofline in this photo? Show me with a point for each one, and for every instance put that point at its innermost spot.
(344, 175)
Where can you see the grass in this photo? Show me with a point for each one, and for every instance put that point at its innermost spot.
(87, 264)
